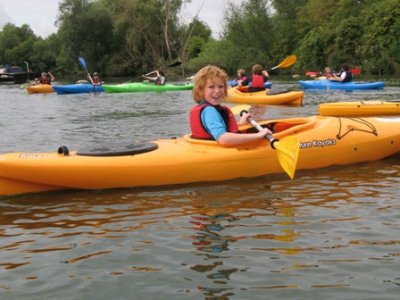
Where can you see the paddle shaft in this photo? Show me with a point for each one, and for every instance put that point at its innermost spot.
(175, 64)
(268, 136)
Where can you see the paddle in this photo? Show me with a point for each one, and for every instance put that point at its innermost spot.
(287, 149)
(83, 64)
(175, 64)
(286, 63)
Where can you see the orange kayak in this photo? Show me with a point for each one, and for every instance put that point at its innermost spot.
(40, 88)
(241, 95)
(323, 142)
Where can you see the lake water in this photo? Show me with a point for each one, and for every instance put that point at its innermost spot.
(329, 234)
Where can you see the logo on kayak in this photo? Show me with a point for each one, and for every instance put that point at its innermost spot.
(318, 143)
(30, 155)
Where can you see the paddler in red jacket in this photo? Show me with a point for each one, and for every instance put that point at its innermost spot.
(211, 120)
(258, 79)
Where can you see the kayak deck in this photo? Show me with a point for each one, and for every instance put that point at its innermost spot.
(323, 141)
(241, 95)
(360, 108)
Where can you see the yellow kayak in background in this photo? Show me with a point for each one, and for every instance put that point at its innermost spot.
(360, 108)
(323, 141)
(40, 88)
(239, 94)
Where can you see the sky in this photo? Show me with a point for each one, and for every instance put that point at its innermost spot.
(41, 15)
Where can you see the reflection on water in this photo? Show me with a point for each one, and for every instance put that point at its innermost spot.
(328, 234)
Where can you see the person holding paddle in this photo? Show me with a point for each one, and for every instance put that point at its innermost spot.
(46, 78)
(159, 79)
(345, 74)
(257, 80)
(212, 121)
(96, 79)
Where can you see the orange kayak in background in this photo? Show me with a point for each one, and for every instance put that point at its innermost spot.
(240, 94)
(40, 88)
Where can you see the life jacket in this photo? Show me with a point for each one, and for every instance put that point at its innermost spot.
(258, 81)
(45, 81)
(349, 76)
(197, 127)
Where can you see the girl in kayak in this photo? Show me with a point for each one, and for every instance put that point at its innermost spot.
(211, 120)
(258, 79)
(241, 76)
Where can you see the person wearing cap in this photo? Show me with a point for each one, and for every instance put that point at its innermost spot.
(96, 79)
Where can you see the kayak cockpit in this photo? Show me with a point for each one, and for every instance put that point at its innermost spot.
(133, 149)
(280, 128)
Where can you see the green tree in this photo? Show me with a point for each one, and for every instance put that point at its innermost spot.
(16, 44)
(85, 29)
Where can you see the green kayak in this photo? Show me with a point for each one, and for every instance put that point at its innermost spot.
(145, 87)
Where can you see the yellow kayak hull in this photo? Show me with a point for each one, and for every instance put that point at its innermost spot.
(360, 108)
(40, 88)
(323, 141)
(239, 95)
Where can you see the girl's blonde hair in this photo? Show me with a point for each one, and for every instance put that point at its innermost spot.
(200, 81)
(241, 72)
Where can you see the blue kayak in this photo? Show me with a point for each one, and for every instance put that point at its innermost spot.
(77, 88)
(337, 85)
(233, 83)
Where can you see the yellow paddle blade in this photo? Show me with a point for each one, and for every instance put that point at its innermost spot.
(239, 108)
(288, 153)
(287, 62)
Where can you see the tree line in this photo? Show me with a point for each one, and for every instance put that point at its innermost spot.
(128, 38)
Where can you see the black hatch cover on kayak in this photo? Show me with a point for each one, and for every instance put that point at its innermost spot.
(132, 149)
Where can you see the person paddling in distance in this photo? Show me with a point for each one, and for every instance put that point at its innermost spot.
(345, 74)
(46, 78)
(212, 121)
(258, 78)
(159, 79)
(96, 79)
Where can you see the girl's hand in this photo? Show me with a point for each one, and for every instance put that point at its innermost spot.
(244, 119)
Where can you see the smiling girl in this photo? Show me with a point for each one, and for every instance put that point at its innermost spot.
(209, 119)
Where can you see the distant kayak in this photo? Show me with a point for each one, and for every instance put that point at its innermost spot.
(336, 85)
(240, 95)
(78, 88)
(360, 108)
(145, 87)
(40, 88)
(233, 83)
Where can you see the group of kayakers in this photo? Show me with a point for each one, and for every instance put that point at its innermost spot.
(256, 82)
(48, 77)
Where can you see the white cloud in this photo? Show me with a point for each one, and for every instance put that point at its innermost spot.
(40, 15)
